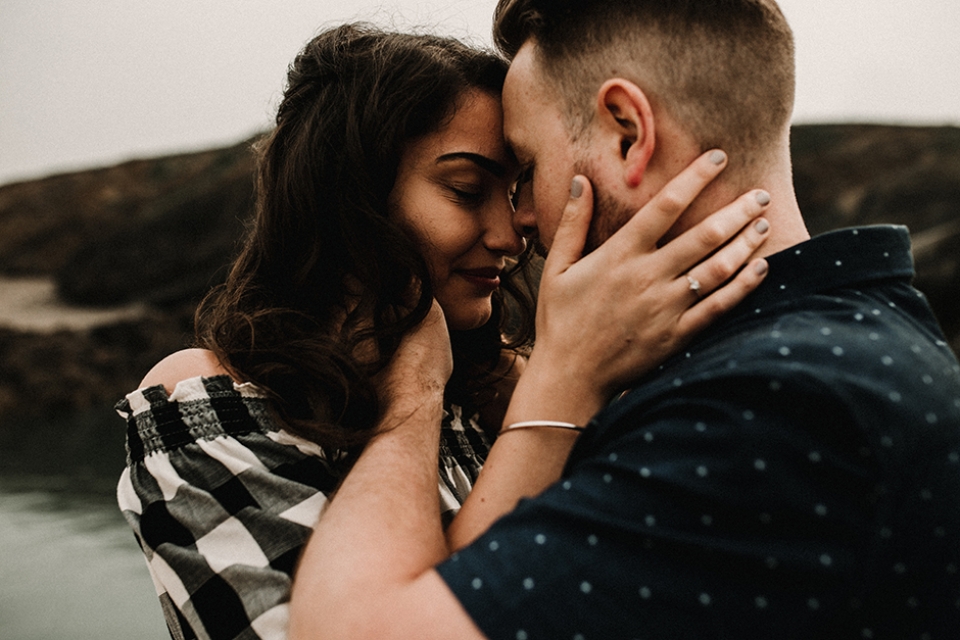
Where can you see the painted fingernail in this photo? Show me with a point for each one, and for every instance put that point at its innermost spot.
(718, 157)
(761, 267)
(576, 188)
(763, 198)
(762, 226)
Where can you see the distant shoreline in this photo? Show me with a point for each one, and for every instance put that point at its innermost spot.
(31, 304)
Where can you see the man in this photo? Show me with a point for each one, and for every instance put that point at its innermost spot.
(794, 473)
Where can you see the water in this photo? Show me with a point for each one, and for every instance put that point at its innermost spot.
(70, 568)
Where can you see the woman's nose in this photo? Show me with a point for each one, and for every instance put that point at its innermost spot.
(502, 234)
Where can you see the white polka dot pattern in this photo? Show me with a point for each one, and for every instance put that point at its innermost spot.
(794, 474)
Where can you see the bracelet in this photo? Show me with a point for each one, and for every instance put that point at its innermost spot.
(542, 423)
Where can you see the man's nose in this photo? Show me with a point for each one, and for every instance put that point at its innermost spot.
(524, 220)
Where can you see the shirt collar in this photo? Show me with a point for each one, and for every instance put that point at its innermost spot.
(834, 260)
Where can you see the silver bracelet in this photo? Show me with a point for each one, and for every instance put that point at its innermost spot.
(542, 423)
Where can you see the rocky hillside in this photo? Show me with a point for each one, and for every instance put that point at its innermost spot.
(160, 232)
(849, 175)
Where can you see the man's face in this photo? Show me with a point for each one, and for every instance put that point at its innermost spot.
(534, 128)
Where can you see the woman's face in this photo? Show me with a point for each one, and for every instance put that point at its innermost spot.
(452, 193)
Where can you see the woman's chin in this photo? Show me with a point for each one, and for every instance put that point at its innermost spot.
(463, 316)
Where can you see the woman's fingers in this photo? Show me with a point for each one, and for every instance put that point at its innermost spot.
(571, 235)
(655, 218)
(723, 264)
(631, 292)
(422, 363)
(707, 310)
(716, 230)
(708, 283)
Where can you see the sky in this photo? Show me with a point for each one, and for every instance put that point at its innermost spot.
(88, 83)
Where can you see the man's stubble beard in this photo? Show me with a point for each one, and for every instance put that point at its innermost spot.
(609, 214)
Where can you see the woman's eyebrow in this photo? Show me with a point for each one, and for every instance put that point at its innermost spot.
(494, 167)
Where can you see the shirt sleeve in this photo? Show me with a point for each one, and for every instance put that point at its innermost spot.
(221, 503)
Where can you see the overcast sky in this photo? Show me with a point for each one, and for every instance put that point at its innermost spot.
(86, 83)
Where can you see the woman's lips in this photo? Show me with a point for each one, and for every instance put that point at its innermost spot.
(485, 278)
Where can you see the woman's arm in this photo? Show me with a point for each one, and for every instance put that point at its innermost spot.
(382, 531)
(572, 374)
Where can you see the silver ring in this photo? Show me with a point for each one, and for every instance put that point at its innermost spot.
(694, 285)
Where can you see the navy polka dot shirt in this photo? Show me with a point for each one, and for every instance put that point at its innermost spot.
(794, 474)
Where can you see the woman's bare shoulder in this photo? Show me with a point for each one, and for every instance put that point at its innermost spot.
(183, 365)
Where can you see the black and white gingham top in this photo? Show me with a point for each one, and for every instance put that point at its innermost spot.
(222, 500)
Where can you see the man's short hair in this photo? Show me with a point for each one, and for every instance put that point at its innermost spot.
(723, 69)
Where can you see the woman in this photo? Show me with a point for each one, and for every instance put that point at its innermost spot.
(384, 186)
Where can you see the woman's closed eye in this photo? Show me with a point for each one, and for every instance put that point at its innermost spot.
(467, 194)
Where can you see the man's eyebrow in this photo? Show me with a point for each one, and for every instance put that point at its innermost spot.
(494, 167)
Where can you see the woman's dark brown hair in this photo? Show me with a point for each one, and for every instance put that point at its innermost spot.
(325, 272)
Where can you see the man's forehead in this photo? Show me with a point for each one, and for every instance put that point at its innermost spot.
(524, 69)
(523, 99)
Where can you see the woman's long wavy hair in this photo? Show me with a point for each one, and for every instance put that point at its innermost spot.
(325, 272)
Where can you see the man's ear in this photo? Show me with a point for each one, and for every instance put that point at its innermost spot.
(625, 115)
